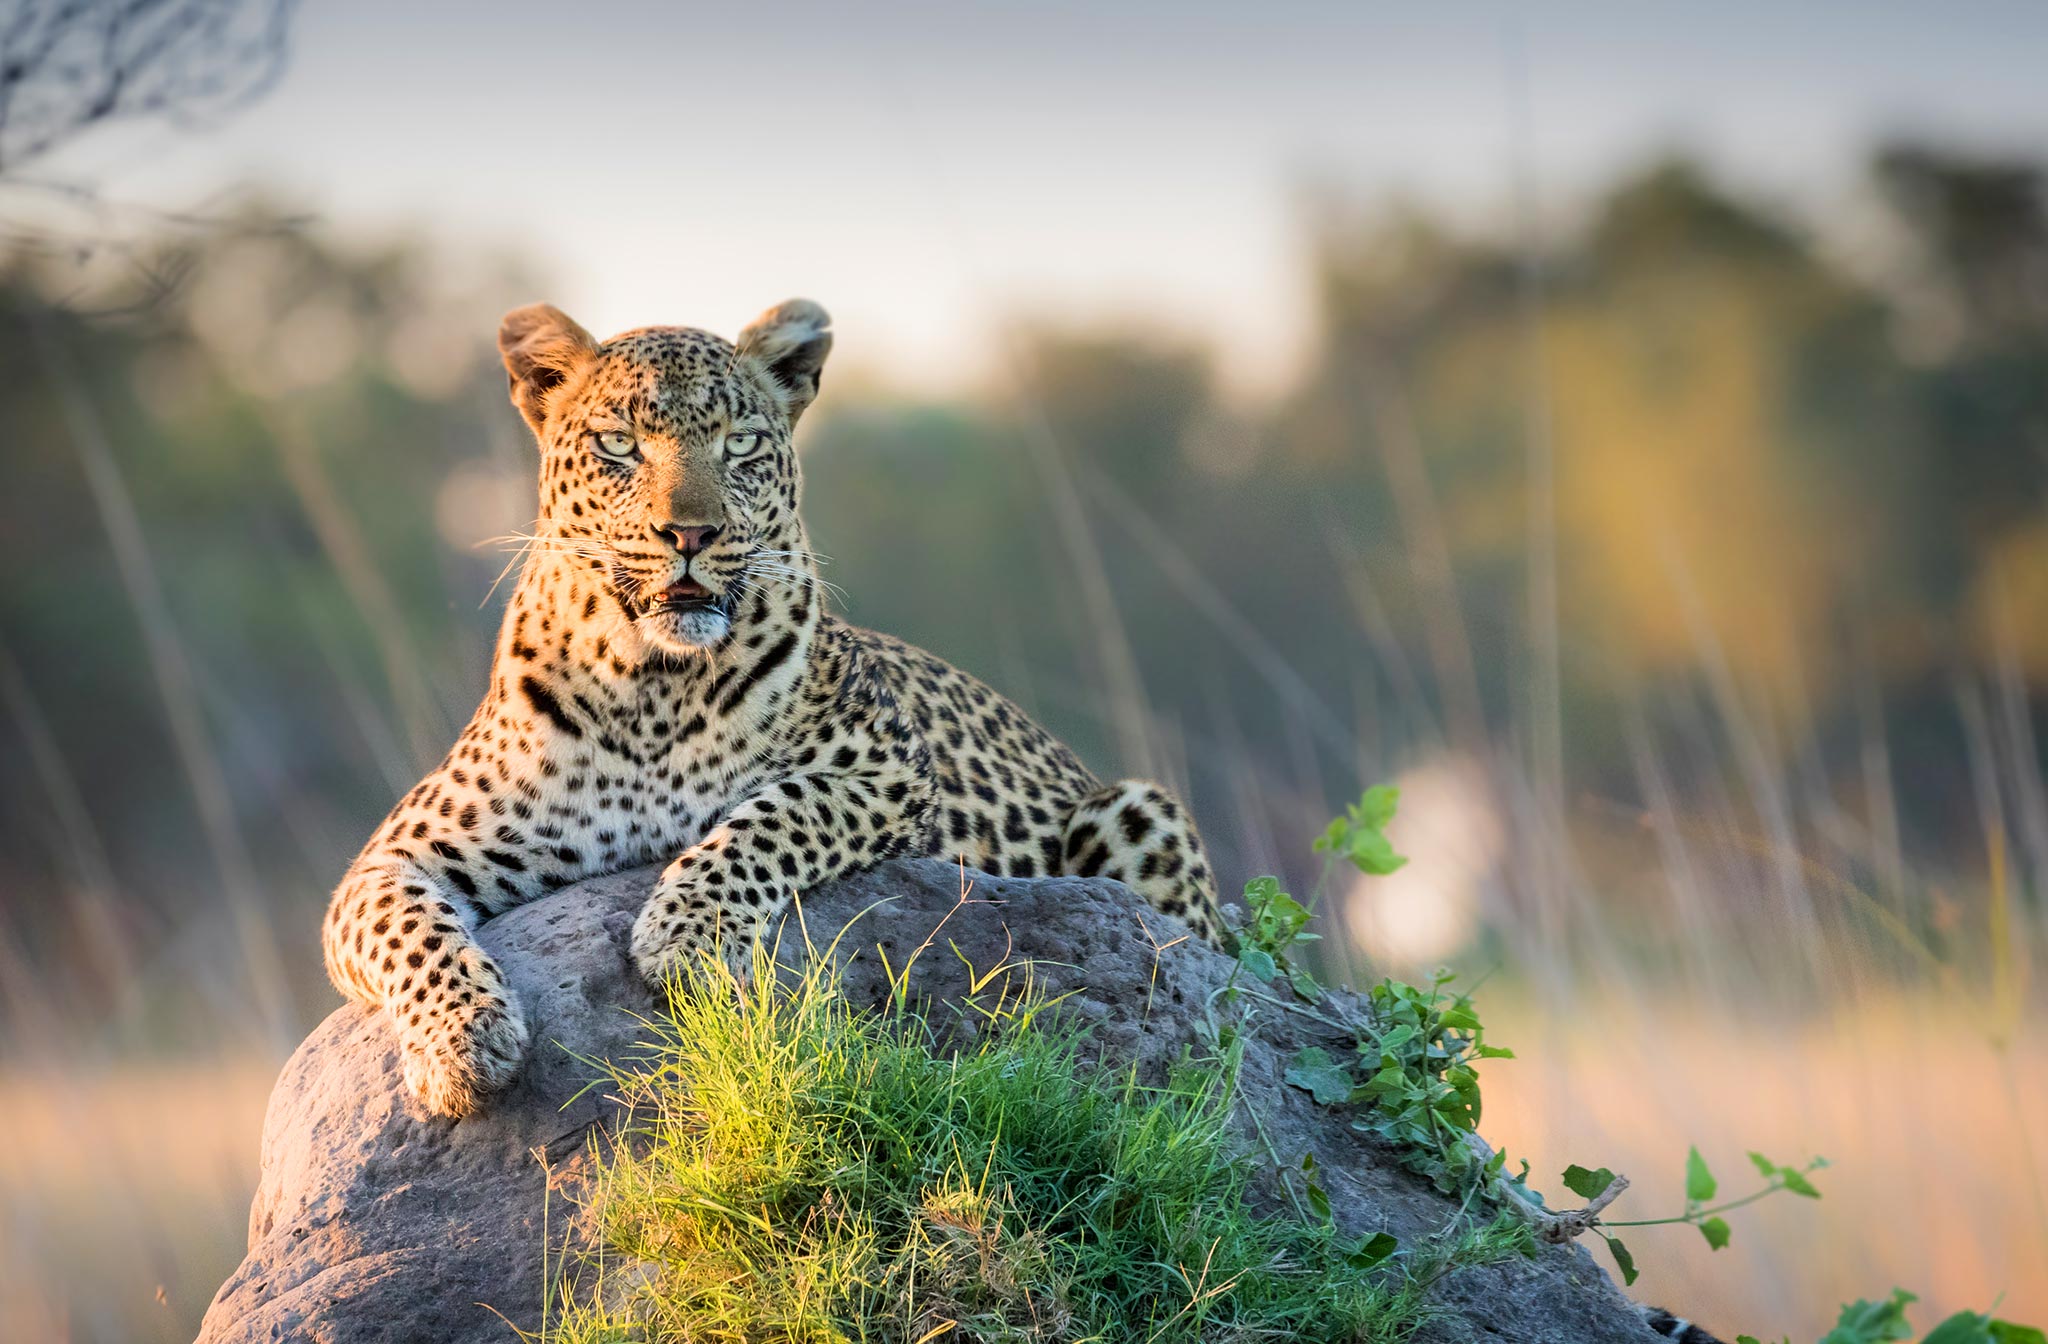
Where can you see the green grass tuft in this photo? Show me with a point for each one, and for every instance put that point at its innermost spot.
(803, 1171)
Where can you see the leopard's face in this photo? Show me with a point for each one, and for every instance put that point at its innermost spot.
(667, 465)
(670, 461)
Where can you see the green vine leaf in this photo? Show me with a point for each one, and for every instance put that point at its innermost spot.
(1360, 834)
(2005, 1332)
(1622, 1260)
(1865, 1322)
(1970, 1327)
(1373, 1251)
(1318, 1198)
(1587, 1184)
(1305, 985)
(1700, 1184)
(1460, 1017)
(1965, 1327)
(1314, 1072)
(1377, 804)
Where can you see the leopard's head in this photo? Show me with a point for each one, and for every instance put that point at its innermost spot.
(666, 462)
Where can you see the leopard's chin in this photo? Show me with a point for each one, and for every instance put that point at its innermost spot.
(692, 627)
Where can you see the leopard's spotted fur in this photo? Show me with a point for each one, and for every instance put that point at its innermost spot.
(667, 684)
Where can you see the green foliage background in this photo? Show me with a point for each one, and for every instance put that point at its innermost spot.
(1799, 504)
(1763, 752)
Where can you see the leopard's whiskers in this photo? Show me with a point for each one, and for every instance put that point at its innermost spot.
(775, 571)
(800, 553)
(524, 544)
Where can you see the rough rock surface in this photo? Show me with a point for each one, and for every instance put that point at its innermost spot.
(374, 1221)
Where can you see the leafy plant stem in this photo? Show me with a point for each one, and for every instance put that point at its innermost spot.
(1696, 1214)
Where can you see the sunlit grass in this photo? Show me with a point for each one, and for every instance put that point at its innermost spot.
(802, 1171)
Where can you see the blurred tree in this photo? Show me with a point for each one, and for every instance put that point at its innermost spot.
(1976, 294)
(1711, 384)
(1120, 400)
(68, 65)
(1979, 227)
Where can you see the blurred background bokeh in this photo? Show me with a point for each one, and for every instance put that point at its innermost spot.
(1624, 426)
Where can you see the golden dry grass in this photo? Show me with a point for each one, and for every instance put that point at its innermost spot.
(120, 1183)
(1932, 1188)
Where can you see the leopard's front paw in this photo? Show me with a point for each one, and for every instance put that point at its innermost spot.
(470, 1050)
(674, 935)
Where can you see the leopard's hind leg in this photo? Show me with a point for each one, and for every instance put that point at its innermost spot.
(1136, 832)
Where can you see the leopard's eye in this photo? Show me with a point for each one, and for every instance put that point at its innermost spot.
(616, 444)
(744, 443)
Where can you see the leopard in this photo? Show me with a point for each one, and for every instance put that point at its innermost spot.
(670, 686)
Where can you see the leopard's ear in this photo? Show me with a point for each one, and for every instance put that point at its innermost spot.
(791, 341)
(542, 346)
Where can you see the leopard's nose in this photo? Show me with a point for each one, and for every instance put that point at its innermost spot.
(688, 540)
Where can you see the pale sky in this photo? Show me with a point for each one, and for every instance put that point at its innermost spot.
(926, 170)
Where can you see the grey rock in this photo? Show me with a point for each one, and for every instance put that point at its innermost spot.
(375, 1221)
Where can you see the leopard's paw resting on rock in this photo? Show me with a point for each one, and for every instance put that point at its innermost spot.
(678, 933)
(454, 1054)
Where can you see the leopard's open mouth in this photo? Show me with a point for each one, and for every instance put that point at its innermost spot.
(686, 615)
(687, 594)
